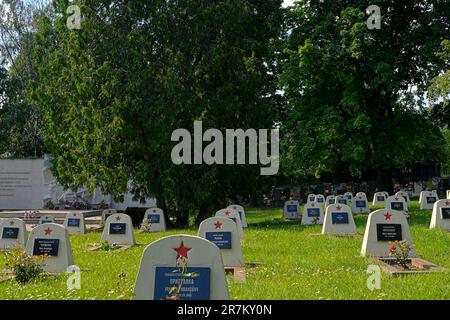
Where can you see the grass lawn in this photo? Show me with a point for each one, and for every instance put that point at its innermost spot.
(294, 264)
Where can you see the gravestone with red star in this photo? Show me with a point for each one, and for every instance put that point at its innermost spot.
(360, 203)
(119, 230)
(12, 233)
(405, 195)
(233, 215)
(51, 240)
(156, 218)
(311, 198)
(349, 196)
(292, 210)
(74, 223)
(46, 219)
(382, 228)
(342, 199)
(379, 199)
(339, 220)
(181, 267)
(397, 203)
(440, 217)
(320, 199)
(312, 214)
(241, 211)
(427, 199)
(224, 234)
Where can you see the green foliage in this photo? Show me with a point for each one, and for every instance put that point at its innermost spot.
(106, 246)
(24, 267)
(349, 89)
(114, 91)
(400, 250)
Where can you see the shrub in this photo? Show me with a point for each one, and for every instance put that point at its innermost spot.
(24, 267)
(400, 250)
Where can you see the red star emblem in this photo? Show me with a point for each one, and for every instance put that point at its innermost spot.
(74, 214)
(218, 225)
(312, 204)
(396, 198)
(447, 203)
(234, 208)
(431, 194)
(339, 207)
(154, 210)
(48, 231)
(227, 213)
(118, 218)
(11, 223)
(388, 216)
(182, 251)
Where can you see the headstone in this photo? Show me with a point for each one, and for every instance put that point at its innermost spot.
(386, 194)
(241, 211)
(349, 196)
(448, 194)
(360, 204)
(224, 234)
(46, 219)
(12, 233)
(233, 215)
(292, 210)
(383, 227)
(74, 223)
(441, 215)
(427, 199)
(320, 199)
(397, 203)
(119, 230)
(312, 214)
(330, 200)
(181, 267)
(156, 218)
(362, 194)
(311, 198)
(106, 213)
(339, 220)
(342, 199)
(405, 195)
(51, 239)
(379, 199)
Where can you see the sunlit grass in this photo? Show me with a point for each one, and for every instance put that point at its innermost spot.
(295, 263)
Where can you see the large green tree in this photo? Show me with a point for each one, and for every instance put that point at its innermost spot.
(115, 90)
(355, 94)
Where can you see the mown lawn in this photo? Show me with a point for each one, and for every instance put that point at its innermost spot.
(294, 264)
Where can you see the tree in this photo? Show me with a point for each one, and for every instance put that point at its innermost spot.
(115, 90)
(355, 94)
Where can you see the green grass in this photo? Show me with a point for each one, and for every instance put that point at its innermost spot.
(294, 264)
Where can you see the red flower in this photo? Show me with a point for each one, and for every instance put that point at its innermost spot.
(392, 248)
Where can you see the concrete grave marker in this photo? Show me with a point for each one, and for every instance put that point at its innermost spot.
(181, 267)
(360, 204)
(74, 223)
(224, 234)
(118, 229)
(339, 220)
(405, 195)
(383, 227)
(349, 196)
(397, 203)
(12, 233)
(156, 218)
(448, 194)
(330, 200)
(342, 199)
(311, 198)
(51, 239)
(292, 210)
(379, 199)
(427, 199)
(46, 219)
(386, 194)
(361, 194)
(312, 214)
(106, 213)
(233, 215)
(320, 199)
(440, 217)
(241, 211)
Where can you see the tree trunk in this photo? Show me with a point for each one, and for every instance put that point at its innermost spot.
(204, 212)
(384, 180)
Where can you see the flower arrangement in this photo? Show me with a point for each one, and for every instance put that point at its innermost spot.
(400, 250)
